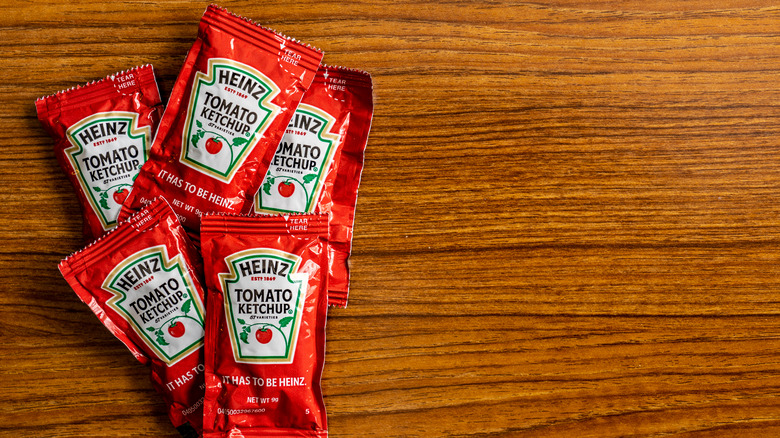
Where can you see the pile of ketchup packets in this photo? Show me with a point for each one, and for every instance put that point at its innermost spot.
(221, 226)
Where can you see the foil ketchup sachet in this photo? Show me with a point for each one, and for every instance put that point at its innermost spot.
(265, 325)
(143, 281)
(102, 133)
(233, 98)
(318, 164)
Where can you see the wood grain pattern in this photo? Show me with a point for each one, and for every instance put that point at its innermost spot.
(567, 224)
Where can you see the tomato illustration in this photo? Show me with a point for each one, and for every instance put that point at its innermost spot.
(176, 329)
(286, 189)
(264, 335)
(120, 195)
(213, 145)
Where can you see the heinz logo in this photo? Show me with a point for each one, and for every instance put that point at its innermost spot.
(158, 298)
(242, 82)
(100, 130)
(263, 300)
(229, 111)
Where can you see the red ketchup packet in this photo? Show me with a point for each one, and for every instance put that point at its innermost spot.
(235, 94)
(265, 330)
(318, 164)
(142, 280)
(102, 134)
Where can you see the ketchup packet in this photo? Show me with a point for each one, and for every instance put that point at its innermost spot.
(318, 164)
(102, 134)
(265, 328)
(235, 94)
(142, 281)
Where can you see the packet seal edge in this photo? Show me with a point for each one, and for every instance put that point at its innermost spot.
(92, 83)
(147, 209)
(248, 20)
(358, 73)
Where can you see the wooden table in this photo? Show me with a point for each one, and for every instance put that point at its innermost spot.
(567, 224)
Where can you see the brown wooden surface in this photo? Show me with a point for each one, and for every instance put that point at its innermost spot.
(567, 225)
